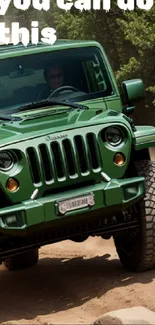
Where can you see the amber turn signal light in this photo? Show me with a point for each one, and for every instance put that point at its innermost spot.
(119, 159)
(12, 185)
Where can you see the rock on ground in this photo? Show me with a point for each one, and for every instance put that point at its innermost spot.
(135, 315)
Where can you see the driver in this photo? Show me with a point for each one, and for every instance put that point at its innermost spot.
(54, 77)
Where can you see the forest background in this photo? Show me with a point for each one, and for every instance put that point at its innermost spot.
(128, 38)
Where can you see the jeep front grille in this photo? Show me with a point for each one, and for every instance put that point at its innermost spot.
(66, 159)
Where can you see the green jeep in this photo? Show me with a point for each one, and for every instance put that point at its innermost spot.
(72, 162)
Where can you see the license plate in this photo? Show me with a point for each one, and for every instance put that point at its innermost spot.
(76, 203)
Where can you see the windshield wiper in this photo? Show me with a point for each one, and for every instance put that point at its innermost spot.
(49, 102)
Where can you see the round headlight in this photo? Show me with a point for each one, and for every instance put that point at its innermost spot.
(6, 161)
(113, 136)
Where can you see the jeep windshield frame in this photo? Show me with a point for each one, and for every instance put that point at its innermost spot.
(22, 77)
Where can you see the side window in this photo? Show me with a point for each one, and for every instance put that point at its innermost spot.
(94, 75)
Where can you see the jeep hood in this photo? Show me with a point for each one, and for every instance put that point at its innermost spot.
(37, 123)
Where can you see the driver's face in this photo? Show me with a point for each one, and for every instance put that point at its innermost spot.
(55, 78)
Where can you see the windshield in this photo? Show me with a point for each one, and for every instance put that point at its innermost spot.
(74, 74)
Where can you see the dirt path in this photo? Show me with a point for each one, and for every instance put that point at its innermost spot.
(72, 283)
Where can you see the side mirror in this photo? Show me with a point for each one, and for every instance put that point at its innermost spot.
(134, 90)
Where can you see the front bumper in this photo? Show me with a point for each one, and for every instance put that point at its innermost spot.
(108, 196)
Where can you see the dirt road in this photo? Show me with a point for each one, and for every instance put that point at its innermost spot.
(72, 284)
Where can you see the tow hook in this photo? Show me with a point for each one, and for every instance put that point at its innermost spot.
(34, 194)
(105, 177)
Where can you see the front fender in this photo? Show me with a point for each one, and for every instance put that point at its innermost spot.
(144, 137)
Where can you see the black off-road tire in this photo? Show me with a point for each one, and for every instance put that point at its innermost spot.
(22, 261)
(142, 257)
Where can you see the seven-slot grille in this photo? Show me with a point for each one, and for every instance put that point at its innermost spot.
(65, 159)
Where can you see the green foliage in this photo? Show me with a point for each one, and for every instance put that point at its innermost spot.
(138, 28)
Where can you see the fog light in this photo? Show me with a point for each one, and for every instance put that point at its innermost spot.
(12, 185)
(119, 159)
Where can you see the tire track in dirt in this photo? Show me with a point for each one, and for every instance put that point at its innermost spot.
(72, 283)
